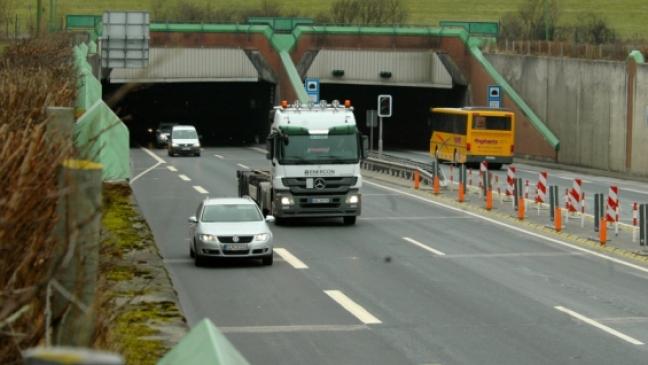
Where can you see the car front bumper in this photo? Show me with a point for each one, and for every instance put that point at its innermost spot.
(184, 150)
(254, 250)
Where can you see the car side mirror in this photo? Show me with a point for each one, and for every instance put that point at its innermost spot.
(270, 219)
(365, 146)
(193, 220)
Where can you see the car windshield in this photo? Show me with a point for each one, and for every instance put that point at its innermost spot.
(231, 213)
(184, 134)
(319, 148)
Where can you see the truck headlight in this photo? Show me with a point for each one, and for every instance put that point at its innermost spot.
(287, 200)
(208, 238)
(261, 237)
(353, 199)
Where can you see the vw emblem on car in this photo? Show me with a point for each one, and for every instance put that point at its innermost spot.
(319, 183)
(235, 238)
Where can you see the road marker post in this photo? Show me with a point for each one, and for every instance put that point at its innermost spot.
(417, 179)
(489, 192)
(521, 204)
(603, 232)
(557, 219)
(483, 171)
(436, 183)
(635, 221)
(553, 202)
(582, 214)
(598, 211)
(541, 190)
(462, 184)
(517, 192)
(643, 228)
(510, 184)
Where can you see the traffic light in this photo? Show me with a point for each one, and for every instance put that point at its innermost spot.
(384, 106)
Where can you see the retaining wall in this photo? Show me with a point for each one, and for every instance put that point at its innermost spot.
(639, 150)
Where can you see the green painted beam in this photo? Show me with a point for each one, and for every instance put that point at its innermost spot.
(293, 76)
(637, 56)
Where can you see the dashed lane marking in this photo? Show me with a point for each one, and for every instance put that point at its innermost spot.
(424, 246)
(352, 307)
(184, 177)
(599, 325)
(200, 189)
(290, 258)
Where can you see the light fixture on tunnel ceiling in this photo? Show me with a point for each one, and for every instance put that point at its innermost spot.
(338, 73)
(385, 74)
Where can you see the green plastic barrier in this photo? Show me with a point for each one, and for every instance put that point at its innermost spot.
(100, 136)
(204, 344)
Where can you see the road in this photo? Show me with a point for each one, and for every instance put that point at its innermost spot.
(411, 283)
(629, 191)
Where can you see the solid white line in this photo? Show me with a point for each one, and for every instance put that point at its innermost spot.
(144, 172)
(260, 150)
(600, 326)
(219, 156)
(354, 308)
(290, 258)
(514, 228)
(156, 157)
(425, 247)
(172, 168)
(184, 177)
(200, 189)
(242, 166)
(294, 328)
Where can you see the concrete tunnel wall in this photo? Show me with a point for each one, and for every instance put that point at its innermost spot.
(582, 101)
(639, 150)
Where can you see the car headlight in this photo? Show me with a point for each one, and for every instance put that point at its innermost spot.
(174, 144)
(287, 200)
(208, 238)
(353, 199)
(261, 237)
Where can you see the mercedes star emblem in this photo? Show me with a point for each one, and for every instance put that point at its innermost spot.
(319, 183)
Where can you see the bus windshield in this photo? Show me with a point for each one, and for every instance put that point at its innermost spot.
(483, 122)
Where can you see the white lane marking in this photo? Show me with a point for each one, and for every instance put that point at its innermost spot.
(514, 228)
(294, 328)
(156, 157)
(260, 150)
(423, 246)
(144, 172)
(200, 189)
(513, 254)
(569, 178)
(290, 258)
(643, 192)
(219, 156)
(410, 218)
(172, 168)
(599, 325)
(352, 307)
(184, 177)
(242, 166)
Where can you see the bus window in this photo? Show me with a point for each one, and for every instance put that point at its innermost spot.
(492, 123)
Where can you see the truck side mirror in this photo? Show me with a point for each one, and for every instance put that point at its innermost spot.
(270, 147)
(365, 146)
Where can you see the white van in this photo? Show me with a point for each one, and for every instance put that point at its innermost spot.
(183, 141)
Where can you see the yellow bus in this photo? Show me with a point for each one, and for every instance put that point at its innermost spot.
(473, 134)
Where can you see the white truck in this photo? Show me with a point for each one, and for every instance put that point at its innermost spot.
(315, 152)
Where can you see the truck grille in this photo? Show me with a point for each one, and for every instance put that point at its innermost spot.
(322, 185)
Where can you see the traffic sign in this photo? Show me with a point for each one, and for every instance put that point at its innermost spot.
(384, 106)
(312, 86)
(494, 96)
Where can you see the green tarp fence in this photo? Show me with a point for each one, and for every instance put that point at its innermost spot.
(99, 134)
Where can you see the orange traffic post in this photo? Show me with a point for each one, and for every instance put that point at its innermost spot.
(603, 231)
(436, 184)
(521, 208)
(489, 199)
(417, 179)
(461, 193)
(558, 219)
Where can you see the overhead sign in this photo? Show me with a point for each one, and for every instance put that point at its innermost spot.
(494, 96)
(312, 87)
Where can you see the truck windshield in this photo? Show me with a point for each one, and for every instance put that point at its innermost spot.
(319, 149)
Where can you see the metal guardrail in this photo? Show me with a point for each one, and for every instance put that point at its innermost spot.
(403, 168)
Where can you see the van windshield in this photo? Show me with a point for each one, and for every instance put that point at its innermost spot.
(184, 134)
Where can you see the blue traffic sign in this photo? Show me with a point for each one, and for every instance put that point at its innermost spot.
(494, 96)
(312, 87)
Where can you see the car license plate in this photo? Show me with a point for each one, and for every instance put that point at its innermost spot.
(236, 247)
(320, 200)
(186, 148)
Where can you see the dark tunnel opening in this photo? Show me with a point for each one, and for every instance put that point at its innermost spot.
(231, 113)
(409, 126)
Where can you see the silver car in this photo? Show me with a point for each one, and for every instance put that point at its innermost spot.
(230, 227)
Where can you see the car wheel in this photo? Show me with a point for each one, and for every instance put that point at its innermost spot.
(267, 260)
(349, 221)
(198, 154)
(199, 260)
(192, 253)
(170, 153)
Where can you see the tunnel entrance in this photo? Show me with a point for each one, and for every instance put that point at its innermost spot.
(409, 126)
(224, 113)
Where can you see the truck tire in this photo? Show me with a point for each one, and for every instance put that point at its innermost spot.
(349, 221)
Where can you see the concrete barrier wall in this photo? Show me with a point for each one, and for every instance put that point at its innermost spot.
(640, 123)
(582, 101)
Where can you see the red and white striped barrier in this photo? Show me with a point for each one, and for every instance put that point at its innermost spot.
(526, 189)
(541, 188)
(451, 177)
(582, 209)
(575, 196)
(635, 221)
(612, 204)
(510, 181)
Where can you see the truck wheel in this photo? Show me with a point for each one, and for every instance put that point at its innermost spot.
(267, 260)
(349, 221)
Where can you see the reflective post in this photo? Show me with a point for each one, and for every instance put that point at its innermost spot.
(599, 210)
(643, 227)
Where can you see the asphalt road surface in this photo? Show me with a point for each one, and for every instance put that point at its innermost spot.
(410, 283)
